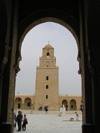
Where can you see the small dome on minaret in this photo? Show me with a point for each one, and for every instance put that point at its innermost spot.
(48, 46)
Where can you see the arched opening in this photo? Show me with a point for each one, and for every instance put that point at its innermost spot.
(27, 103)
(73, 105)
(47, 65)
(78, 16)
(43, 20)
(61, 23)
(48, 54)
(18, 103)
(65, 103)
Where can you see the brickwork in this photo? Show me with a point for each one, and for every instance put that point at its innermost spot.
(47, 80)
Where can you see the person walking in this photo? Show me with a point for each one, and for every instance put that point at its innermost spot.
(16, 112)
(14, 120)
(25, 121)
(19, 120)
(76, 116)
(46, 109)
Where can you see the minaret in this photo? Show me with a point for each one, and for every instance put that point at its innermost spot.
(47, 80)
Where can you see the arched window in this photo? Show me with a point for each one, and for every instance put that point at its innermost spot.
(72, 104)
(65, 103)
(48, 54)
(18, 103)
(27, 103)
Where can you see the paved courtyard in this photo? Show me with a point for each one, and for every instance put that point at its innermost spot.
(52, 123)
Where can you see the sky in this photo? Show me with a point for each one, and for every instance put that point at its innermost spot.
(65, 51)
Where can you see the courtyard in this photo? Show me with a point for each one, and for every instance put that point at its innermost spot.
(52, 123)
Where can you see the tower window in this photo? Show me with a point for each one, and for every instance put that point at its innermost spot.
(48, 54)
(47, 77)
(47, 86)
(46, 96)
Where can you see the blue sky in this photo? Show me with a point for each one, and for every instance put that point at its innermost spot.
(66, 58)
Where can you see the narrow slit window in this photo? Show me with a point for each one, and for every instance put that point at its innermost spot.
(48, 54)
(47, 86)
(47, 77)
(46, 96)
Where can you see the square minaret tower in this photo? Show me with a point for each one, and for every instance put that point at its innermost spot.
(47, 81)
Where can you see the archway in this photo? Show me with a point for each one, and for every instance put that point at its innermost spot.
(47, 19)
(38, 48)
(27, 103)
(82, 13)
(65, 103)
(18, 103)
(72, 104)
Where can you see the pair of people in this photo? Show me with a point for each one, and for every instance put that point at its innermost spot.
(19, 121)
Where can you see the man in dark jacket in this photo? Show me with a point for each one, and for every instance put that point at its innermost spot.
(19, 120)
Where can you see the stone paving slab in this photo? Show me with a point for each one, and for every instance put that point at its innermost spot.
(49, 123)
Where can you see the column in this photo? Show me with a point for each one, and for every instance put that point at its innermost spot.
(22, 107)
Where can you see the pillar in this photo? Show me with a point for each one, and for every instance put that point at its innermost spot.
(22, 106)
(31, 106)
(9, 72)
(85, 73)
(68, 105)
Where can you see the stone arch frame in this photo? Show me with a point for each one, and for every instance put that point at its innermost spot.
(65, 103)
(24, 30)
(64, 21)
(25, 102)
(88, 18)
(43, 20)
(73, 103)
(68, 22)
(18, 102)
(73, 28)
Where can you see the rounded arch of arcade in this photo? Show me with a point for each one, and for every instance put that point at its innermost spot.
(73, 104)
(27, 103)
(23, 102)
(65, 104)
(18, 103)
